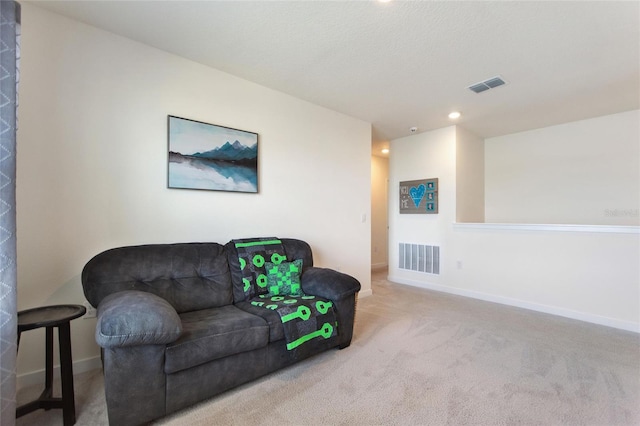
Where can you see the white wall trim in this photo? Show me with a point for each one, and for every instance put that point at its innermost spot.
(365, 293)
(608, 229)
(377, 266)
(553, 310)
(37, 377)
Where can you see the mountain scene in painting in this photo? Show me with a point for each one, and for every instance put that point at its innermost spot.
(231, 152)
(222, 165)
(231, 167)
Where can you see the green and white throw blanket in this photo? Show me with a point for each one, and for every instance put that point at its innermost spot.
(271, 282)
(308, 321)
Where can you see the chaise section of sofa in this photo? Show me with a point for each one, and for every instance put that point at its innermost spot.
(176, 327)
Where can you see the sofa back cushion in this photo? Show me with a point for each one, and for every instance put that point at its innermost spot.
(190, 276)
(294, 249)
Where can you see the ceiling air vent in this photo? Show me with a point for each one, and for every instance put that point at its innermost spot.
(487, 84)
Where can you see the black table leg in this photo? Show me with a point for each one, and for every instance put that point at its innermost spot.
(46, 400)
(50, 317)
(48, 369)
(66, 375)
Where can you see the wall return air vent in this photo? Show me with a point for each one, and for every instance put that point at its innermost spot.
(491, 83)
(419, 257)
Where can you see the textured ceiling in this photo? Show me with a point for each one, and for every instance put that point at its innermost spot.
(404, 64)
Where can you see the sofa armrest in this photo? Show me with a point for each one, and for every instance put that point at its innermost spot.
(328, 283)
(131, 318)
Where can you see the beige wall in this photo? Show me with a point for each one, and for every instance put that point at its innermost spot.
(92, 165)
(422, 156)
(379, 211)
(590, 273)
(587, 272)
(469, 177)
(584, 172)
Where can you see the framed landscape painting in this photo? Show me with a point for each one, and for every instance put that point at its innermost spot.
(210, 157)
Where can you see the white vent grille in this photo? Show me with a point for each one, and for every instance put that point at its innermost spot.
(419, 257)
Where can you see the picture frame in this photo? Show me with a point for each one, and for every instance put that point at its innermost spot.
(206, 156)
(419, 196)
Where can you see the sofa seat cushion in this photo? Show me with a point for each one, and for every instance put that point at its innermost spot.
(276, 330)
(214, 333)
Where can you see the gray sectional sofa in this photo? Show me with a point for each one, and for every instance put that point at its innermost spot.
(177, 323)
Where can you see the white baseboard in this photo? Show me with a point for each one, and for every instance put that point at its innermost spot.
(38, 376)
(553, 310)
(364, 293)
(378, 266)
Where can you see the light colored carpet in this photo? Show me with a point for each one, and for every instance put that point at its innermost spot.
(426, 358)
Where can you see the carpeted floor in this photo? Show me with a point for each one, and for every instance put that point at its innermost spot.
(426, 358)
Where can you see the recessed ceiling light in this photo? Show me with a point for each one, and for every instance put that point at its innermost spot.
(454, 115)
(385, 150)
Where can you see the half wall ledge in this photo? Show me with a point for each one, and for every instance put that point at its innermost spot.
(606, 229)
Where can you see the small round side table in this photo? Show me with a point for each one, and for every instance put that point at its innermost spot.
(53, 316)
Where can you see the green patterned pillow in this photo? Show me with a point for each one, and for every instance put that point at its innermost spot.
(284, 279)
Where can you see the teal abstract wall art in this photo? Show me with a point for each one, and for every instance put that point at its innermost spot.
(419, 196)
(210, 157)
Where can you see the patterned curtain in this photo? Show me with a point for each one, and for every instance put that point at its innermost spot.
(9, 58)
